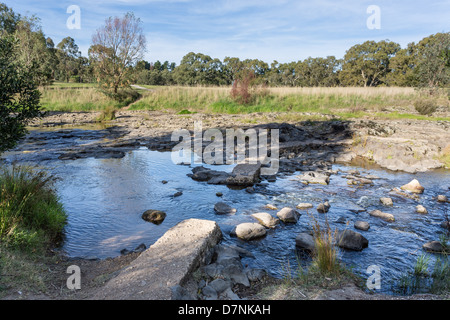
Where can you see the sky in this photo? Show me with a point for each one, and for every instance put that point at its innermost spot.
(281, 30)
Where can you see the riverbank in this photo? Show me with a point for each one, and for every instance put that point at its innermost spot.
(408, 145)
(404, 145)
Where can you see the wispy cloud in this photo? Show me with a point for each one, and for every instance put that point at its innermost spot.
(283, 30)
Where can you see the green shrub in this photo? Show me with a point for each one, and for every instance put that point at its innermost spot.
(107, 114)
(425, 106)
(31, 216)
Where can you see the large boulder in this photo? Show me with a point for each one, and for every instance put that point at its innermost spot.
(351, 240)
(266, 219)
(244, 175)
(288, 215)
(249, 231)
(305, 241)
(414, 187)
(383, 215)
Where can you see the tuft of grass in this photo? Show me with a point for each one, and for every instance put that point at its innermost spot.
(425, 107)
(107, 114)
(325, 255)
(421, 267)
(31, 217)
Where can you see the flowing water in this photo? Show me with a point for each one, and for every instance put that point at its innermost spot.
(105, 198)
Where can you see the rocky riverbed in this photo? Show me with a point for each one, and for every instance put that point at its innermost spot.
(313, 177)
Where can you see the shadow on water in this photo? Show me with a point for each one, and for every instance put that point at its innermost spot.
(105, 198)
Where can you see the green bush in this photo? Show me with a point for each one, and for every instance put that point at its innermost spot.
(425, 106)
(31, 216)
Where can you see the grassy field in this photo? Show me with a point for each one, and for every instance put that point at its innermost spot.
(345, 103)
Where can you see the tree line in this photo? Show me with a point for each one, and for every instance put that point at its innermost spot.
(370, 64)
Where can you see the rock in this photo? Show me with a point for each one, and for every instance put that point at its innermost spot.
(223, 208)
(351, 240)
(442, 198)
(445, 224)
(288, 215)
(362, 225)
(383, 215)
(179, 293)
(341, 220)
(421, 209)
(352, 207)
(249, 231)
(255, 274)
(154, 216)
(164, 182)
(140, 248)
(219, 194)
(236, 274)
(266, 219)
(211, 176)
(305, 241)
(323, 207)
(387, 201)
(271, 207)
(244, 175)
(178, 194)
(414, 187)
(304, 206)
(209, 293)
(433, 246)
(314, 177)
(220, 285)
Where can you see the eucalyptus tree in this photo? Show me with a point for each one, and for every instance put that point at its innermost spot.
(116, 48)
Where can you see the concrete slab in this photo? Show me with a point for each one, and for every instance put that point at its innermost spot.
(164, 265)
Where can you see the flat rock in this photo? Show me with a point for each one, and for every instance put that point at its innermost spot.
(433, 246)
(266, 219)
(314, 178)
(383, 215)
(164, 265)
(304, 206)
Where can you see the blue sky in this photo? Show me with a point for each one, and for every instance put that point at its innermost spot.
(282, 30)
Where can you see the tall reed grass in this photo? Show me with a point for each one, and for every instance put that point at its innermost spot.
(31, 217)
